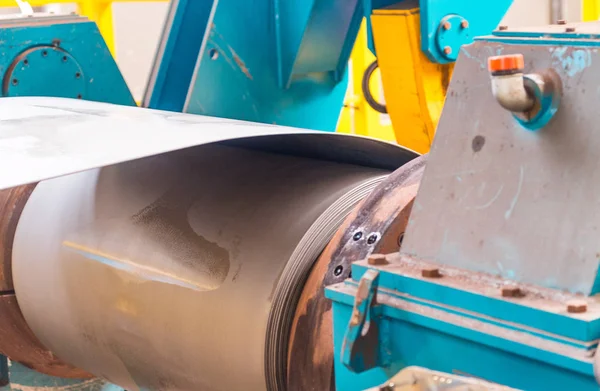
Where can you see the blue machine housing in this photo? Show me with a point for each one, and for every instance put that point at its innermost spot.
(59, 56)
(507, 219)
(445, 326)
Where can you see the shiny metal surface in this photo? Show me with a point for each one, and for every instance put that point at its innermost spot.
(162, 272)
(42, 138)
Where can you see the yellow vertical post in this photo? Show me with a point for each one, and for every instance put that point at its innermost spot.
(357, 116)
(100, 11)
(590, 10)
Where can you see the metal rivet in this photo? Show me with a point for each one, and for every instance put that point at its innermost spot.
(431, 272)
(64, 58)
(79, 96)
(44, 53)
(512, 291)
(561, 21)
(502, 28)
(15, 82)
(570, 29)
(576, 306)
(464, 24)
(77, 75)
(357, 236)
(25, 61)
(377, 259)
(446, 26)
(447, 50)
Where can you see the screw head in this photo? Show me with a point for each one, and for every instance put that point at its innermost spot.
(357, 236)
(377, 260)
(561, 21)
(576, 306)
(446, 25)
(464, 24)
(431, 272)
(372, 238)
(447, 50)
(502, 28)
(570, 29)
(512, 291)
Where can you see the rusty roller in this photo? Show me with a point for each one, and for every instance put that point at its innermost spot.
(202, 268)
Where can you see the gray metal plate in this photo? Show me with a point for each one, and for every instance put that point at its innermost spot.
(42, 138)
(520, 204)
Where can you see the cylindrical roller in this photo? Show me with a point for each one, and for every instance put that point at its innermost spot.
(180, 271)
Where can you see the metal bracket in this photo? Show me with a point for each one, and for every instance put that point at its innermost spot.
(360, 347)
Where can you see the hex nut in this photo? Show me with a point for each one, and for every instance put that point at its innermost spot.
(576, 306)
(512, 291)
(432, 272)
(377, 260)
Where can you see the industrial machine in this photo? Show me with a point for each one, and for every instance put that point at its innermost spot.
(147, 249)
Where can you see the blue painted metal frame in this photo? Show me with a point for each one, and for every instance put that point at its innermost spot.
(184, 30)
(267, 61)
(482, 18)
(81, 42)
(422, 335)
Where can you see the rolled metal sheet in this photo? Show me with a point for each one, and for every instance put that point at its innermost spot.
(179, 271)
(42, 138)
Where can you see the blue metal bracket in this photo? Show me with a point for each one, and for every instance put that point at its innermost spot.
(360, 345)
(446, 25)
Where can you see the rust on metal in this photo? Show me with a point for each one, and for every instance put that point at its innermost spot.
(12, 202)
(17, 341)
(570, 29)
(576, 306)
(502, 28)
(432, 272)
(377, 260)
(386, 211)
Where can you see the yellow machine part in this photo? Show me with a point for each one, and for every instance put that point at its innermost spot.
(357, 117)
(414, 87)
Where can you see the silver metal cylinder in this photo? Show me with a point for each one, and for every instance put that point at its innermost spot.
(179, 271)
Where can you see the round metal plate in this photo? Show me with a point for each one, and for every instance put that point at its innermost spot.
(44, 71)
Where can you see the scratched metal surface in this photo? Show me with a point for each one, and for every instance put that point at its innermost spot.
(160, 273)
(42, 138)
(501, 199)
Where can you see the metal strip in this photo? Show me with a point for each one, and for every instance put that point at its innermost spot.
(42, 138)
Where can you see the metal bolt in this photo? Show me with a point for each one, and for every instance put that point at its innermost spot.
(561, 21)
(464, 24)
(511, 291)
(357, 236)
(570, 29)
(372, 238)
(576, 306)
(431, 272)
(447, 50)
(338, 270)
(15, 82)
(377, 259)
(446, 26)
(502, 28)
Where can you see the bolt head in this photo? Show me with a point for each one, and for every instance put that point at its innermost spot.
(447, 50)
(377, 260)
(512, 291)
(502, 28)
(576, 306)
(446, 25)
(432, 272)
(464, 24)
